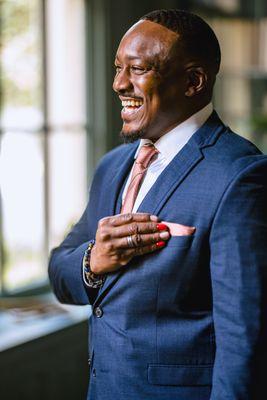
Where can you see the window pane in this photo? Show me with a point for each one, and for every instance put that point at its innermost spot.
(241, 89)
(21, 64)
(39, 202)
(22, 191)
(232, 97)
(67, 181)
(66, 62)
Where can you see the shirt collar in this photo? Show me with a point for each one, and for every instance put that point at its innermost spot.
(173, 141)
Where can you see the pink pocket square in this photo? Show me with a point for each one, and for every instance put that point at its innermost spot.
(178, 229)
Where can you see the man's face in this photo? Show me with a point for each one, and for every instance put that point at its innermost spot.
(150, 81)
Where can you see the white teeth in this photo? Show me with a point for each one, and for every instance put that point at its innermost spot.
(131, 103)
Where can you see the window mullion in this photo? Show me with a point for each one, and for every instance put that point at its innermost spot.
(46, 129)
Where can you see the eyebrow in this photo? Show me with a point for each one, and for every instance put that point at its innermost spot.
(129, 58)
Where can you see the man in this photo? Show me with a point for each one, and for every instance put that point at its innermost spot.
(171, 250)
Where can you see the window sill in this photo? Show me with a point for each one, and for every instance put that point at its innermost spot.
(27, 319)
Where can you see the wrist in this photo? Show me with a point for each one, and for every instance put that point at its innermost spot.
(93, 267)
(90, 278)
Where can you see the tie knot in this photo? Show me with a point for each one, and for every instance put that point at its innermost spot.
(145, 155)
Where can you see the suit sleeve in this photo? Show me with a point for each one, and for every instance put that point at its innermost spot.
(65, 266)
(238, 245)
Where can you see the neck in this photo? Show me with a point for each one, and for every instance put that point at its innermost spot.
(179, 120)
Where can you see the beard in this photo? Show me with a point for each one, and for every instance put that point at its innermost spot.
(132, 136)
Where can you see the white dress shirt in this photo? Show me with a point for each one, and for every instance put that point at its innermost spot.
(168, 146)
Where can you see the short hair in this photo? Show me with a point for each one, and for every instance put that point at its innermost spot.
(197, 38)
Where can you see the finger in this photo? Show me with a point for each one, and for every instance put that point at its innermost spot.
(150, 248)
(140, 240)
(135, 228)
(138, 251)
(122, 219)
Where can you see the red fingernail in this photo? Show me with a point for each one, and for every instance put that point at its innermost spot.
(162, 227)
(160, 244)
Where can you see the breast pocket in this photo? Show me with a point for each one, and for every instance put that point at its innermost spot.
(180, 241)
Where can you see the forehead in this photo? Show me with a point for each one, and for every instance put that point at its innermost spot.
(147, 39)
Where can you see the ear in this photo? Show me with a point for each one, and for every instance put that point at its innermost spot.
(196, 81)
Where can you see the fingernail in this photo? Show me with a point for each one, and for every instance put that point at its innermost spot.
(164, 235)
(160, 244)
(153, 218)
(162, 227)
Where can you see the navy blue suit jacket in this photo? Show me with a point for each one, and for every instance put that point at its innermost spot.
(187, 322)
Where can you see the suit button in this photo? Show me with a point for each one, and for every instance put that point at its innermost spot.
(98, 312)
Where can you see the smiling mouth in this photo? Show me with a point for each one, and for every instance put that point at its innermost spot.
(130, 107)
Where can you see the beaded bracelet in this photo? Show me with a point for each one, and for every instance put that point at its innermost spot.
(90, 279)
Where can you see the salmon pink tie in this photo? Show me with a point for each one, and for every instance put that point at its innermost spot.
(144, 158)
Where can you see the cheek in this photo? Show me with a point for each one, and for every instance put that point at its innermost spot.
(175, 88)
(153, 100)
(149, 89)
(149, 86)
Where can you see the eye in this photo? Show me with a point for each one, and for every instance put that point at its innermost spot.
(117, 68)
(137, 69)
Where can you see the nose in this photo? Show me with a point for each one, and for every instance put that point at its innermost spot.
(122, 82)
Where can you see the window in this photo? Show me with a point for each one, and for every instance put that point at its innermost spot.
(241, 87)
(42, 133)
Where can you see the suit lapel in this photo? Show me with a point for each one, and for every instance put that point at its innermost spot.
(190, 155)
(181, 165)
(113, 188)
(167, 182)
(170, 179)
(114, 192)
